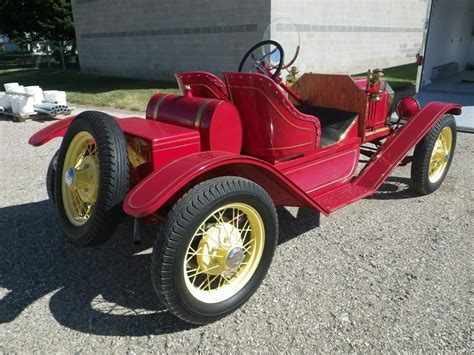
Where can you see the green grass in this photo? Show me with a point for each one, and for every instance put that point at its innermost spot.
(6, 56)
(402, 77)
(90, 89)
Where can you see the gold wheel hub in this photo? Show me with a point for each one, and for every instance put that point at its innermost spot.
(224, 253)
(440, 154)
(221, 248)
(80, 184)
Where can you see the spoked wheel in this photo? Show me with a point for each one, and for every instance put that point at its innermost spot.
(433, 156)
(224, 253)
(215, 249)
(80, 178)
(91, 178)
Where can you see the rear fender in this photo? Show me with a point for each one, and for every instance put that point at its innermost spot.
(57, 129)
(173, 179)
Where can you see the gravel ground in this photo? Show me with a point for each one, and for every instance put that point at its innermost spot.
(393, 272)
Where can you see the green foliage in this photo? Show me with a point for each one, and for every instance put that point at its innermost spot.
(29, 21)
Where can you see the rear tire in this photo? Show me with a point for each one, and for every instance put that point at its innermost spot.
(233, 251)
(433, 156)
(50, 176)
(93, 154)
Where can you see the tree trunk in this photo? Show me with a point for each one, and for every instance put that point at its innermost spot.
(61, 51)
(48, 56)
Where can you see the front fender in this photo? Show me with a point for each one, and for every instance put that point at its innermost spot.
(57, 129)
(397, 146)
(160, 186)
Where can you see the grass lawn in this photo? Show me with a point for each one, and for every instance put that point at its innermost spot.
(90, 89)
(400, 78)
(133, 94)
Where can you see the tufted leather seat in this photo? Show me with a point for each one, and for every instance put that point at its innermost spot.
(203, 84)
(273, 128)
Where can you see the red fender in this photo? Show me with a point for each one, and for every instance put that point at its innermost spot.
(57, 129)
(396, 147)
(160, 186)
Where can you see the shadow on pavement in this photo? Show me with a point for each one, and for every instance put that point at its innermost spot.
(104, 290)
(394, 188)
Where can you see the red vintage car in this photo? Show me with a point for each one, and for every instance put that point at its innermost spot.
(211, 164)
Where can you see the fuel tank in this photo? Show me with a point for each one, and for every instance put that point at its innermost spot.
(217, 121)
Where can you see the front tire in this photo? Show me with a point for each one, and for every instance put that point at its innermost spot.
(433, 156)
(92, 178)
(215, 248)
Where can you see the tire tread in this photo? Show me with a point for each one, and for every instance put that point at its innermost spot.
(181, 214)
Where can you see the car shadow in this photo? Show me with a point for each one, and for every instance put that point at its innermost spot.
(103, 290)
(394, 188)
(291, 226)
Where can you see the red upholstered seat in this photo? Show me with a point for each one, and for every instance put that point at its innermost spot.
(273, 128)
(203, 84)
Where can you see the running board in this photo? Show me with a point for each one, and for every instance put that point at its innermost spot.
(342, 196)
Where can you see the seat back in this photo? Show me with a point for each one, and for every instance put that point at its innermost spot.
(273, 129)
(202, 84)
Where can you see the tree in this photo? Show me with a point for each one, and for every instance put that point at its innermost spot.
(32, 21)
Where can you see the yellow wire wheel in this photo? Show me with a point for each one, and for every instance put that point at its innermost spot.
(433, 155)
(214, 249)
(80, 178)
(440, 155)
(224, 252)
(90, 178)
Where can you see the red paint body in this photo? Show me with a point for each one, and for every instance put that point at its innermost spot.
(248, 127)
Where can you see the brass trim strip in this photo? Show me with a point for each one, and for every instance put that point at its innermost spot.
(291, 146)
(198, 117)
(375, 131)
(157, 106)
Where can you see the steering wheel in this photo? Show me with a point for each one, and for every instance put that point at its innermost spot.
(263, 64)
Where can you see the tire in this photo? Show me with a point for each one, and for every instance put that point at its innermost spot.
(106, 149)
(426, 180)
(170, 274)
(50, 176)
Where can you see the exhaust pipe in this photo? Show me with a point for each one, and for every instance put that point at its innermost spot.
(137, 235)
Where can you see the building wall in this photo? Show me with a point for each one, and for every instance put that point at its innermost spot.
(346, 36)
(153, 39)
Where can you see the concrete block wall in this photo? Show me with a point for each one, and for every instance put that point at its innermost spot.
(153, 39)
(346, 36)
